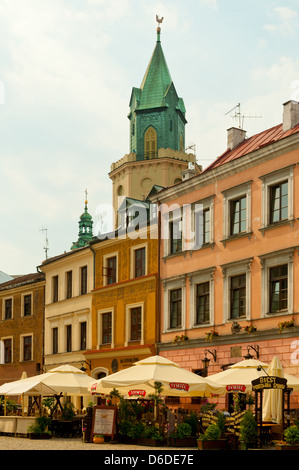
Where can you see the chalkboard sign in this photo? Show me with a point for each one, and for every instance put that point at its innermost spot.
(104, 419)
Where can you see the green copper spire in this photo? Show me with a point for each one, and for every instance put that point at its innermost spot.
(85, 228)
(156, 107)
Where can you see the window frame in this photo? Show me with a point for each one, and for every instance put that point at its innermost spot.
(195, 278)
(129, 308)
(100, 327)
(134, 249)
(269, 180)
(230, 270)
(229, 196)
(23, 313)
(105, 268)
(170, 284)
(268, 261)
(23, 347)
(84, 280)
(5, 299)
(197, 209)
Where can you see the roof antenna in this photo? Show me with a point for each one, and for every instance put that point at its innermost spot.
(240, 116)
(46, 247)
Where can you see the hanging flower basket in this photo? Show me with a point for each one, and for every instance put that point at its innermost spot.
(211, 335)
(285, 324)
(179, 339)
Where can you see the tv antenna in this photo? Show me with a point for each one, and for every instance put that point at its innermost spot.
(46, 247)
(240, 116)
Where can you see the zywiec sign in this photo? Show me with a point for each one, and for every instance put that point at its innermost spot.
(136, 393)
(236, 388)
(269, 382)
(179, 386)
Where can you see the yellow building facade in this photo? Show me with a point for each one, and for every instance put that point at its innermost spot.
(124, 301)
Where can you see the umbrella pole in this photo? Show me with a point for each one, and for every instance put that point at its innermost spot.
(4, 405)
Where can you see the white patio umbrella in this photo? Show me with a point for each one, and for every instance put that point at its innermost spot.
(239, 376)
(272, 399)
(63, 379)
(139, 380)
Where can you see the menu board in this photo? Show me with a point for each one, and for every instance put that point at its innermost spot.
(104, 418)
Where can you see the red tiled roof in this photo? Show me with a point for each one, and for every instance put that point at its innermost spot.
(251, 144)
(22, 280)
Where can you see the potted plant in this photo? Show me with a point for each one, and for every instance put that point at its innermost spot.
(98, 439)
(210, 335)
(249, 329)
(248, 431)
(285, 324)
(291, 442)
(39, 429)
(179, 339)
(183, 436)
(152, 436)
(211, 439)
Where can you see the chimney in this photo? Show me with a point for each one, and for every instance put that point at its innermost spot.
(189, 172)
(290, 115)
(234, 137)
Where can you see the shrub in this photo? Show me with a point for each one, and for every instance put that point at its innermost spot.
(183, 430)
(212, 433)
(248, 428)
(291, 435)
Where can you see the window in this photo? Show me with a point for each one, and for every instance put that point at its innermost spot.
(27, 348)
(201, 297)
(202, 227)
(277, 198)
(150, 144)
(175, 304)
(277, 284)
(135, 333)
(107, 328)
(7, 350)
(68, 338)
(175, 236)
(238, 296)
(27, 305)
(237, 290)
(279, 202)
(83, 280)
(55, 289)
(111, 270)
(202, 303)
(237, 211)
(54, 340)
(238, 216)
(83, 334)
(7, 309)
(279, 288)
(69, 284)
(139, 267)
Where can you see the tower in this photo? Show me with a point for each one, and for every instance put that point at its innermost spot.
(85, 228)
(157, 134)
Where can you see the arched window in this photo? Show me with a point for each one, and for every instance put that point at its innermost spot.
(150, 144)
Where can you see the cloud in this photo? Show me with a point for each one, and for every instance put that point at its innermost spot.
(286, 21)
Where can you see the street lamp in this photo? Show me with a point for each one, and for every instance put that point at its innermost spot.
(256, 349)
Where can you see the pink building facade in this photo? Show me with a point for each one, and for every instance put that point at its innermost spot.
(229, 255)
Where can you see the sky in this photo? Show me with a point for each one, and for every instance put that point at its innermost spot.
(67, 68)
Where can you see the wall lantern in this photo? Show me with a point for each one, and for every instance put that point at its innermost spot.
(256, 349)
(84, 368)
(206, 360)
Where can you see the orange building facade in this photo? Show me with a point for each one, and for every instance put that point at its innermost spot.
(231, 281)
